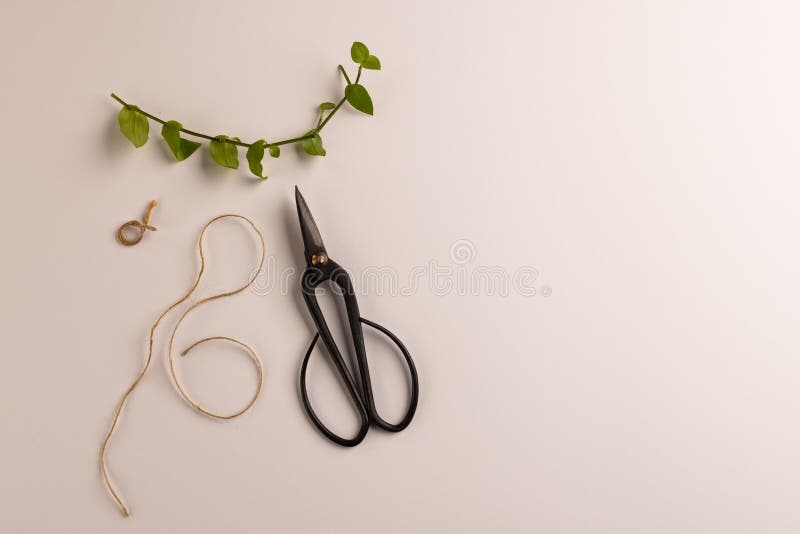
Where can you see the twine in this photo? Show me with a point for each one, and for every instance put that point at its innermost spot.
(141, 227)
(181, 390)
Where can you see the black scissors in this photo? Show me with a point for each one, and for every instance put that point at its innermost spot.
(320, 268)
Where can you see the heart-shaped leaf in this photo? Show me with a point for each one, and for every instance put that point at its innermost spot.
(181, 148)
(359, 52)
(372, 63)
(358, 97)
(225, 154)
(134, 125)
(313, 145)
(255, 153)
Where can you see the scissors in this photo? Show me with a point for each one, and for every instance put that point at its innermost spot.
(321, 268)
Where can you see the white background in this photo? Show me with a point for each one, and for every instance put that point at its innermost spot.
(641, 155)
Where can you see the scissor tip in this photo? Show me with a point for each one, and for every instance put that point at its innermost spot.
(298, 196)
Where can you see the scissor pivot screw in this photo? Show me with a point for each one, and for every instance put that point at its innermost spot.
(319, 259)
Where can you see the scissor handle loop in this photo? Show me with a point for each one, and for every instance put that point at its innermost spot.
(375, 418)
(328, 433)
(312, 278)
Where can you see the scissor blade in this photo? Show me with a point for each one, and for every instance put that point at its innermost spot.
(312, 240)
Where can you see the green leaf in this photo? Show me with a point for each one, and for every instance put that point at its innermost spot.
(134, 125)
(255, 153)
(275, 151)
(372, 63)
(359, 52)
(181, 148)
(225, 154)
(313, 146)
(358, 97)
(326, 106)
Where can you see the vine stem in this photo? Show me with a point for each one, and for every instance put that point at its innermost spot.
(315, 131)
(344, 73)
(342, 101)
(334, 110)
(211, 138)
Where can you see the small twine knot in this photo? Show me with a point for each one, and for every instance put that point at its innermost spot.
(141, 227)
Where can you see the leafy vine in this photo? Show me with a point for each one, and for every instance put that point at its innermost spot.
(224, 150)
